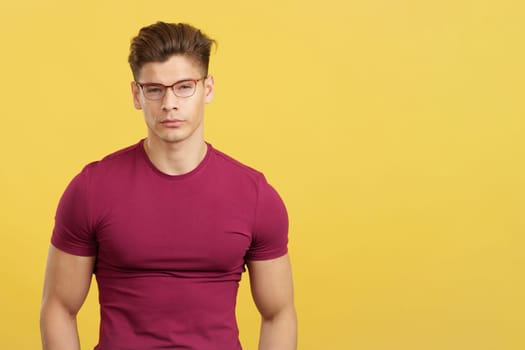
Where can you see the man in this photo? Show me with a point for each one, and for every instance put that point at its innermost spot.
(168, 225)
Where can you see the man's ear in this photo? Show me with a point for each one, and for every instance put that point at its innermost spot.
(209, 89)
(136, 92)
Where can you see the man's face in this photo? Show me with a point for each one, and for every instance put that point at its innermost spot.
(173, 119)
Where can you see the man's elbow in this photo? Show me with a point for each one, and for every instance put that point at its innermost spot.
(53, 309)
(284, 313)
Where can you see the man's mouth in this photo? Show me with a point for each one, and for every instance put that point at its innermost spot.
(172, 123)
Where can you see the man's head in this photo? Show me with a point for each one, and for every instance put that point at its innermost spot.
(171, 83)
(160, 41)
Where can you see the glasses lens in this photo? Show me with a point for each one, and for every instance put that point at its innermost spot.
(185, 88)
(154, 91)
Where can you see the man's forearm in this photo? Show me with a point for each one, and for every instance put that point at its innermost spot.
(279, 332)
(58, 329)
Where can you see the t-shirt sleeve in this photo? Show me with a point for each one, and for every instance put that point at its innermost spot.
(270, 231)
(72, 232)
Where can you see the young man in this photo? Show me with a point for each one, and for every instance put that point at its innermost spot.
(168, 225)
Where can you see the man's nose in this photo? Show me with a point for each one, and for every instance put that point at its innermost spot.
(170, 100)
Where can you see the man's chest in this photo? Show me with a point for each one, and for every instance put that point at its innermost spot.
(175, 232)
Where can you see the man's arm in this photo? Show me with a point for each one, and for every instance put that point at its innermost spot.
(272, 290)
(66, 285)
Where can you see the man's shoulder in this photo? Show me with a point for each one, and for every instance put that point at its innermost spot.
(116, 159)
(231, 165)
(123, 153)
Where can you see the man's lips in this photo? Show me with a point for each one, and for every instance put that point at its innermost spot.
(172, 123)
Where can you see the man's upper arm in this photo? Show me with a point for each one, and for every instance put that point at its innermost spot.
(67, 280)
(271, 285)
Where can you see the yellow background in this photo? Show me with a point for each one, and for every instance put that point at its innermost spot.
(394, 131)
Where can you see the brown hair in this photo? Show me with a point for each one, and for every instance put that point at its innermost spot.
(159, 41)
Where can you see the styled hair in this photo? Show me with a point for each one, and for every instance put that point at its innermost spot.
(159, 41)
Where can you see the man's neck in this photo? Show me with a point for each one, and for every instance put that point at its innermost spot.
(175, 158)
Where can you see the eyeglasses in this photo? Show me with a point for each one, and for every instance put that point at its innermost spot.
(183, 88)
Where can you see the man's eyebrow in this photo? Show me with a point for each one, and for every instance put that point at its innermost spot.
(178, 81)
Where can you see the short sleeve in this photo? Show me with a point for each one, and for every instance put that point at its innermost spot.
(270, 230)
(73, 233)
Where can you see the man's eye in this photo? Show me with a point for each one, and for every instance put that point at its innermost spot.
(153, 89)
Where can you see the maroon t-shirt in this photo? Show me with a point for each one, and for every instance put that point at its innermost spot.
(170, 250)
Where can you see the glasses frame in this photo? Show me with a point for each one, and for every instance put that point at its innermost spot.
(166, 87)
